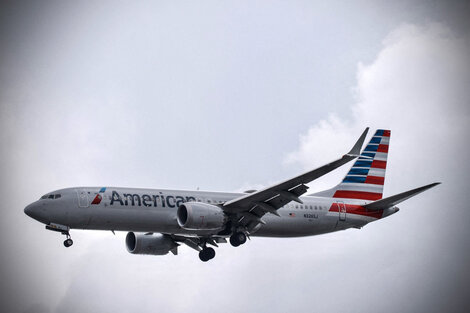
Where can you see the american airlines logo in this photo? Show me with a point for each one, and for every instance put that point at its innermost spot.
(147, 200)
(99, 197)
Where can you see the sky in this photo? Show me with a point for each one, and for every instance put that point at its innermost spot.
(230, 96)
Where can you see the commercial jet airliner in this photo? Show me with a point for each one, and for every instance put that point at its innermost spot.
(158, 221)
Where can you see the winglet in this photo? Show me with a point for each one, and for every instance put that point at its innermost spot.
(389, 202)
(356, 150)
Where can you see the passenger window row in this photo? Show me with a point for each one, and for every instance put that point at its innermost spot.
(306, 207)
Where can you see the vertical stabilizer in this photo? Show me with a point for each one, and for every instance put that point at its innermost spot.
(365, 179)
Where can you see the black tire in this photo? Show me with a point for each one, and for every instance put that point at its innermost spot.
(68, 242)
(237, 239)
(210, 253)
(203, 255)
(234, 241)
(241, 238)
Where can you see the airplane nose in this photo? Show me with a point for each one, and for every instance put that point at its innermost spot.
(38, 212)
(34, 211)
(28, 210)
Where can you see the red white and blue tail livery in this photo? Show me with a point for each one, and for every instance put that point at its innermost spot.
(365, 180)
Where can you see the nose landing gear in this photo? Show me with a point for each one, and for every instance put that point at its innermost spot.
(68, 242)
(64, 230)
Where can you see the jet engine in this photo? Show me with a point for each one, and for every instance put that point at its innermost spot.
(154, 244)
(200, 216)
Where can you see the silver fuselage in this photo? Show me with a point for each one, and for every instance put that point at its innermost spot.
(154, 210)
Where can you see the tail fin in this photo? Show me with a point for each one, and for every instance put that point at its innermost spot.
(365, 179)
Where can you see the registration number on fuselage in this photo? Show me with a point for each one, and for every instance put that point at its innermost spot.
(309, 215)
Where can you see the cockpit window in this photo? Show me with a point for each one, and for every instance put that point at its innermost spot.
(54, 196)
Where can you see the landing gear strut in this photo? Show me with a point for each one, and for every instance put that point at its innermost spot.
(238, 238)
(206, 254)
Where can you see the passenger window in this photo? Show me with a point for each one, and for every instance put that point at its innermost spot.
(57, 196)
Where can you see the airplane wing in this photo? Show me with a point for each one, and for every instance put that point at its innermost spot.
(253, 206)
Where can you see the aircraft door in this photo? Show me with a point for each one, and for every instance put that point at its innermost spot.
(83, 200)
(341, 210)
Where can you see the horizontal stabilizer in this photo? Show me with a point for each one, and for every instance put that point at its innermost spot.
(390, 202)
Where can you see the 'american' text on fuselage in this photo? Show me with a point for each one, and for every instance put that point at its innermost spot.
(149, 200)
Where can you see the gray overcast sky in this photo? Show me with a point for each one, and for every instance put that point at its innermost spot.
(230, 95)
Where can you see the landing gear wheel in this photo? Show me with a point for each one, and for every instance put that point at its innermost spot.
(68, 242)
(206, 254)
(241, 237)
(237, 239)
(203, 256)
(211, 253)
(234, 241)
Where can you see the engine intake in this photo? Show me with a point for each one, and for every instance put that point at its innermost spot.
(200, 216)
(154, 244)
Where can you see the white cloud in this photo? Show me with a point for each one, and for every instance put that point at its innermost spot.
(417, 87)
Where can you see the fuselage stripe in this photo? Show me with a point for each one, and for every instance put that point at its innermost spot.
(357, 210)
(351, 194)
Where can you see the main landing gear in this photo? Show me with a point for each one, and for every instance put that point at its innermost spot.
(237, 239)
(206, 254)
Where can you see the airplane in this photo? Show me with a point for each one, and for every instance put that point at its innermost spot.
(158, 221)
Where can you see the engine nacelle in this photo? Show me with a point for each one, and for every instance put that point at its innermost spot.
(200, 216)
(154, 244)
